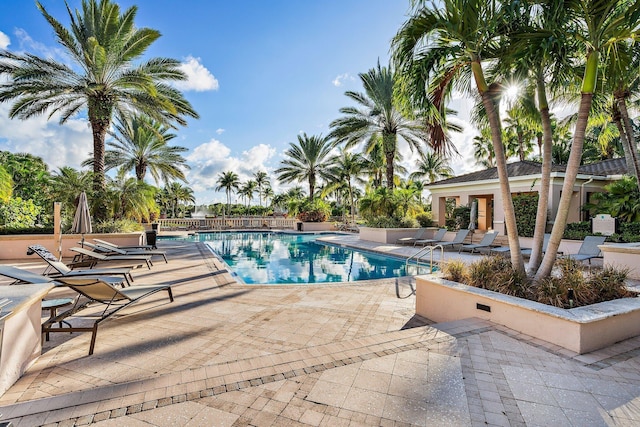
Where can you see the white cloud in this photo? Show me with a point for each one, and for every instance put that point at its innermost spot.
(210, 159)
(220, 131)
(198, 77)
(27, 44)
(341, 78)
(66, 145)
(4, 40)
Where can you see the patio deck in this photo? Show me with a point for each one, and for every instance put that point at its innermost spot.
(227, 354)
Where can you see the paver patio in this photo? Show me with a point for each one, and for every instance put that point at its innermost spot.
(226, 354)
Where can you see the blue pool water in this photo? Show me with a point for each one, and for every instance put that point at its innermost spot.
(279, 258)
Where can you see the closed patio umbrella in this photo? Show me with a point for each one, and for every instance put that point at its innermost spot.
(473, 214)
(82, 218)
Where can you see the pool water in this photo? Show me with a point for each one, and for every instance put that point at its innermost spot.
(282, 258)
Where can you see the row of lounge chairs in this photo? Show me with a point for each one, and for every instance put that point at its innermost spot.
(109, 287)
(588, 249)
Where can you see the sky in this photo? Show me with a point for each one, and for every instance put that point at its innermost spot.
(260, 73)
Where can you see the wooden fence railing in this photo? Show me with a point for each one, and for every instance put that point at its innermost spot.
(189, 224)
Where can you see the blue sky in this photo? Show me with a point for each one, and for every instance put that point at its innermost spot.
(260, 72)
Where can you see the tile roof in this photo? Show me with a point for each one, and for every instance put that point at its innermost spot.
(527, 167)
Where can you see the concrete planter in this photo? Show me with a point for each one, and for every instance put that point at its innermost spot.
(317, 226)
(622, 255)
(15, 246)
(387, 235)
(581, 330)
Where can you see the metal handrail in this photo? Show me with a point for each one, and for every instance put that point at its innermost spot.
(418, 256)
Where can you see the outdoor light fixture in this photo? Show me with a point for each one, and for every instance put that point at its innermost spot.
(570, 296)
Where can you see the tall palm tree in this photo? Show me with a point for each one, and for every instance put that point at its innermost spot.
(380, 116)
(433, 167)
(483, 149)
(141, 145)
(68, 183)
(179, 194)
(228, 181)
(308, 160)
(461, 35)
(103, 44)
(599, 25)
(262, 181)
(248, 189)
(347, 168)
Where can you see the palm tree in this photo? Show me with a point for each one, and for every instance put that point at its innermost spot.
(229, 181)
(267, 194)
(68, 183)
(132, 199)
(483, 149)
(433, 167)
(379, 116)
(347, 166)
(179, 194)
(600, 25)
(262, 181)
(461, 35)
(308, 160)
(248, 189)
(141, 145)
(104, 44)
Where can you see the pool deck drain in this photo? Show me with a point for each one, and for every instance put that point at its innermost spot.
(236, 355)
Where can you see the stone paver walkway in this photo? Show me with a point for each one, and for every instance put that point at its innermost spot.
(225, 354)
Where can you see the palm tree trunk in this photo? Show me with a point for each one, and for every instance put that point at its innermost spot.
(353, 211)
(628, 139)
(389, 144)
(99, 116)
(588, 88)
(517, 261)
(545, 180)
(567, 188)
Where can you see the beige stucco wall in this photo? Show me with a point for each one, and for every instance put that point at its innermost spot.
(15, 246)
(463, 192)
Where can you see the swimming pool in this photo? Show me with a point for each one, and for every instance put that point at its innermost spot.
(284, 258)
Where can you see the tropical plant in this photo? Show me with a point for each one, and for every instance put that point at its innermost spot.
(315, 210)
(18, 213)
(103, 44)
(141, 145)
(600, 25)
(621, 200)
(179, 195)
(247, 190)
(228, 181)
(262, 181)
(433, 167)
(308, 160)
(68, 183)
(31, 178)
(131, 199)
(380, 117)
(6, 185)
(347, 169)
(461, 35)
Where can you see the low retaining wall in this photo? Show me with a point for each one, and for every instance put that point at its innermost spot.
(582, 329)
(623, 255)
(390, 235)
(15, 246)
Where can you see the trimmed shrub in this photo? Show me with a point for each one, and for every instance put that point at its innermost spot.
(425, 219)
(117, 226)
(526, 206)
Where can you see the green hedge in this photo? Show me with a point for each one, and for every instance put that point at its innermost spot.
(526, 207)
